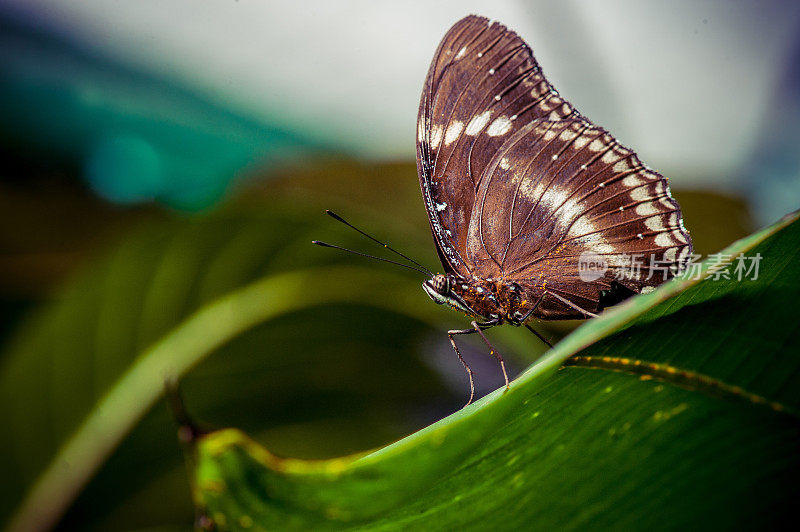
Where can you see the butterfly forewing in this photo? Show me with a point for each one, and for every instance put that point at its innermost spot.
(519, 186)
(482, 86)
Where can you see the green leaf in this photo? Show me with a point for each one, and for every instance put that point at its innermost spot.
(679, 408)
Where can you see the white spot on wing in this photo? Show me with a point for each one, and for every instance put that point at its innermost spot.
(655, 223)
(664, 240)
(478, 123)
(500, 126)
(666, 202)
(529, 191)
(639, 194)
(673, 220)
(596, 145)
(436, 136)
(554, 197)
(649, 175)
(622, 166)
(580, 142)
(504, 163)
(453, 132)
(441, 206)
(631, 181)
(677, 235)
(603, 248)
(568, 135)
(461, 52)
(646, 209)
(582, 226)
(609, 157)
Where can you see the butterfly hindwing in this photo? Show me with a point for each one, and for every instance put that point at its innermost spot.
(559, 190)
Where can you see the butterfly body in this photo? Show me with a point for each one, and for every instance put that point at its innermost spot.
(493, 301)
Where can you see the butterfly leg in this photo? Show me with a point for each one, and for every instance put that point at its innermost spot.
(463, 362)
(570, 304)
(478, 327)
(539, 336)
(531, 329)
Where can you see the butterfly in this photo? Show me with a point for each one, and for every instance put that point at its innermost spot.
(535, 211)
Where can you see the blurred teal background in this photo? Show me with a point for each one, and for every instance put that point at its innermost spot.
(158, 155)
(178, 100)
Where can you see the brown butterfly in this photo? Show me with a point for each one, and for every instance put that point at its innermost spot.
(535, 211)
(521, 190)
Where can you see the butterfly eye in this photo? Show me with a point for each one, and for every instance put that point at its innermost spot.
(441, 284)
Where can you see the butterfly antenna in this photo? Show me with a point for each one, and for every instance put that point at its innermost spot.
(326, 245)
(384, 244)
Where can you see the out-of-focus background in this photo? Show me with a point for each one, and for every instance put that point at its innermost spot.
(158, 154)
(177, 101)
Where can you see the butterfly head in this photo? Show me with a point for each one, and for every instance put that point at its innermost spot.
(440, 289)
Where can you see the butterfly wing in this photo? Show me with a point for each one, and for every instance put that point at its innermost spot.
(482, 87)
(558, 191)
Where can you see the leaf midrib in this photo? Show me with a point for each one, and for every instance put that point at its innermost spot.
(678, 376)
